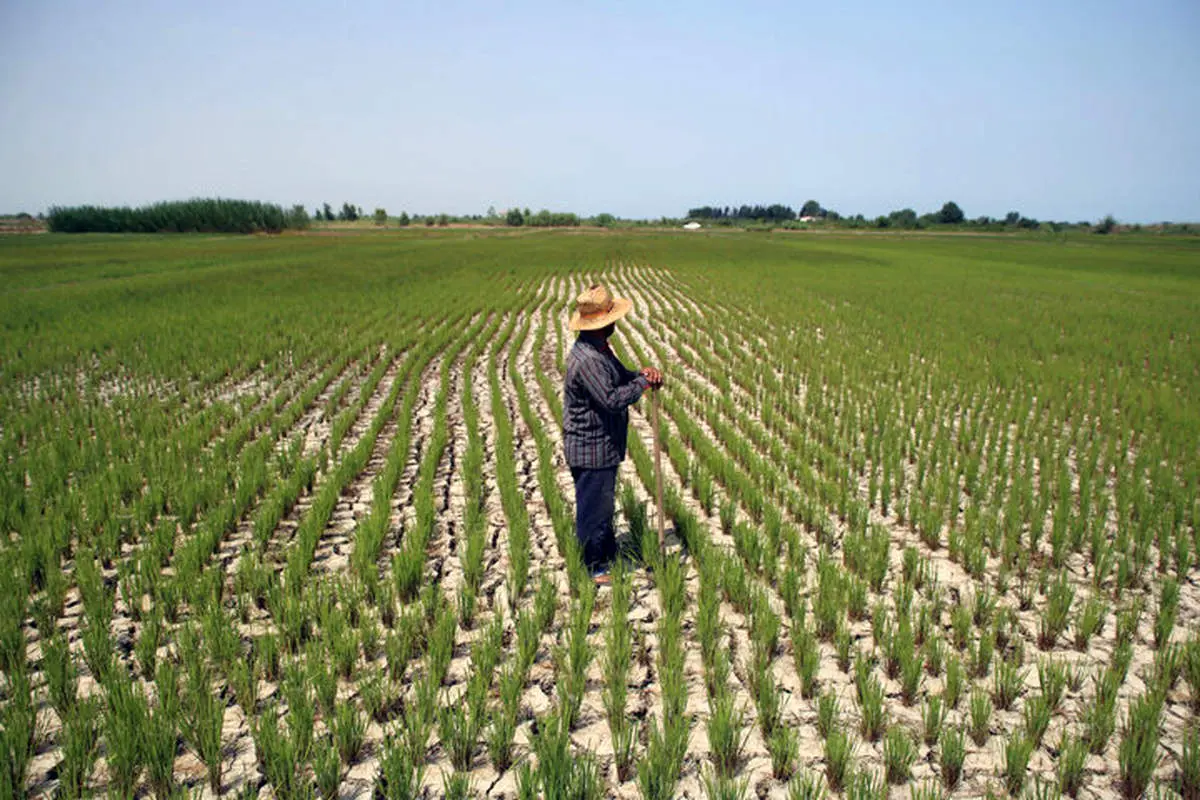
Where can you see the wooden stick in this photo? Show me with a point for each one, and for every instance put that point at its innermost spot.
(658, 468)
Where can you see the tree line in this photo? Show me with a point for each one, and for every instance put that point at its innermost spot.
(197, 215)
(950, 214)
(222, 215)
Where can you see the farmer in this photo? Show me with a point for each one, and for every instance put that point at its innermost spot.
(597, 391)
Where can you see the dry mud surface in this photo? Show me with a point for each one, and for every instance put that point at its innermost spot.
(658, 328)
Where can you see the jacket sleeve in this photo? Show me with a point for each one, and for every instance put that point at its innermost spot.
(627, 374)
(599, 385)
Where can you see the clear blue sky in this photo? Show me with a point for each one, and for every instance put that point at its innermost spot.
(1060, 110)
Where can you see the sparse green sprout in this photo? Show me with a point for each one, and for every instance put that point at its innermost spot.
(899, 753)
(953, 752)
(1015, 762)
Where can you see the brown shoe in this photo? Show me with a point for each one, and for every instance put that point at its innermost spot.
(602, 580)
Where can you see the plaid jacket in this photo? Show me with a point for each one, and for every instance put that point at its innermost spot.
(597, 392)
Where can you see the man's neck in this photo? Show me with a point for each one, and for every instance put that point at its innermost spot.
(596, 339)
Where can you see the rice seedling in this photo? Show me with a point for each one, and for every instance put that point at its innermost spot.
(953, 752)
(985, 648)
(934, 654)
(784, 747)
(1056, 614)
(866, 785)
(1137, 754)
(911, 675)
(839, 753)
(1015, 762)
(1168, 608)
(827, 713)
(933, 714)
(527, 781)
(161, 745)
(124, 726)
(926, 790)
(1072, 757)
(726, 734)
(1188, 760)
(960, 624)
(400, 775)
(1008, 684)
(1089, 621)
(456, 786)
(349, 729)
(327, 768)
(545, 602)
(807, 656)
(981, 716)
(1128, 619)
(62, 680)
(899, 753)
(807, 785)
(842, 645)
(1052, 679)
(561, 773)
(301, 714)
(625, 750)
(872, 709)
(1037, 718)
(146, 646)
(80, 743)
(954, 682)
(1043, 790)
(767, 700)
(1099, 717)
(204, 714)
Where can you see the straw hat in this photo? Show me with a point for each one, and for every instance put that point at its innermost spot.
(596, 308)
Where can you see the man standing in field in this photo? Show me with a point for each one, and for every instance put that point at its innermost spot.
(597, 392)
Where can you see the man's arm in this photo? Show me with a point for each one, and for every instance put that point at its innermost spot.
(599, 384)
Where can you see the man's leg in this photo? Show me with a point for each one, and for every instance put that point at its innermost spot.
(594, 498)
(608, 495)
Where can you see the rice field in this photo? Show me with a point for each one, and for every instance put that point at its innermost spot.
(290, 516)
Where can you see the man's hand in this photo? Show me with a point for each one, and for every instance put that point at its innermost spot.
(652, 376)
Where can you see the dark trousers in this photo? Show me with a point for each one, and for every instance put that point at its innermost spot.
(595, 493)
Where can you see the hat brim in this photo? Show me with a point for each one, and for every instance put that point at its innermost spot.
(621, 307)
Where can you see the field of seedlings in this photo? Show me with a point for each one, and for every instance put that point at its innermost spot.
(289, 517)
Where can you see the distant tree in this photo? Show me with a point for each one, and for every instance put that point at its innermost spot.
(605, 220)
(1012, 218)
(514, 218)
(328, 213)
(403, 218)
(491, 212)
(984, 220)
(380, 216)
(904, 218)
(349, 212)
(1106, 225)
(298, 217)
(812, 208)
(317, 214)
(832, 216)
(951, 214)
(429, 221)
(443, 220)
(882, 222)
